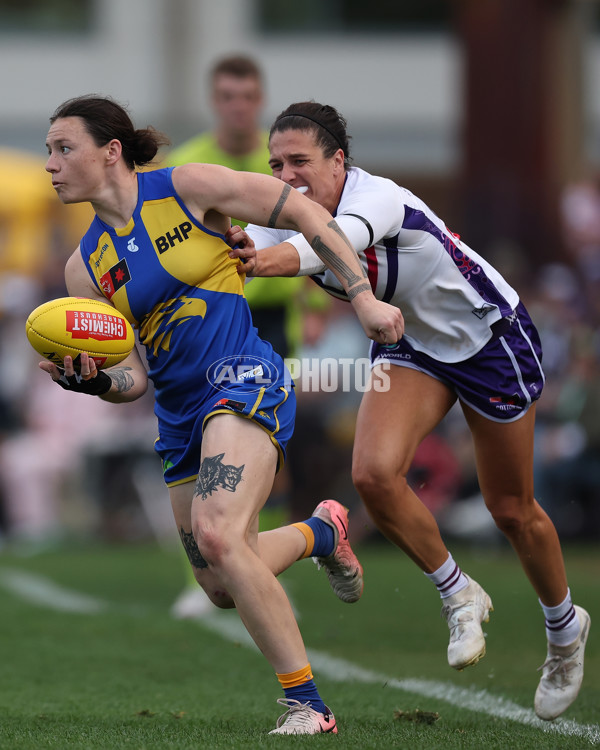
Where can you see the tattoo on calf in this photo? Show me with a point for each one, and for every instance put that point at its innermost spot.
(191, 549)
(280, 203)
(214, 474)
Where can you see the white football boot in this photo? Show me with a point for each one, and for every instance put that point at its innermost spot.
(300, 718)
(465, 612)
(562, 673)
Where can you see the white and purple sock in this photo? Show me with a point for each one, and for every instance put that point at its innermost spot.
(449, 578)
(562, 623)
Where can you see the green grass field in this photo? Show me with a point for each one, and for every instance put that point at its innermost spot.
(90, 658)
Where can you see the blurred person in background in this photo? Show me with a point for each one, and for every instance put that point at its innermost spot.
(567, 477)
(468, 338)
(41, 443)
(238, 141)
(156, 251)
(237, 101)
(580, 221)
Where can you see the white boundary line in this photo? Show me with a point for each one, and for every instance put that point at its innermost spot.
(340, 670)
(44, 592)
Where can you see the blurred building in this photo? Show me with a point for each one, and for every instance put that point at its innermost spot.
(481, 108)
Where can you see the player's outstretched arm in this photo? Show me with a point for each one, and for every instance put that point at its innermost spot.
(260, 199)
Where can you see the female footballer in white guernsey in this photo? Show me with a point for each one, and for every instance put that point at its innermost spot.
(467, 337)
(156, 250)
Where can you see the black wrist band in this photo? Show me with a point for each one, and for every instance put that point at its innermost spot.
(96, 386)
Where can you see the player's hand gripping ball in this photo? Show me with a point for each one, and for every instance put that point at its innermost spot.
(69, 326)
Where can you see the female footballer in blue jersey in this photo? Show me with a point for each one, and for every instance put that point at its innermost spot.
(467, 337)
(223, 399)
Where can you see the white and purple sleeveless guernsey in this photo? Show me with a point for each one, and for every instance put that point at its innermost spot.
(453, 301)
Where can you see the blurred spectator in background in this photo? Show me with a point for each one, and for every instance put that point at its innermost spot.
(237, 100)
(567, 474)
(559, 308)
(568, 461)
(580, 219)
(44, 446)
(26, 202)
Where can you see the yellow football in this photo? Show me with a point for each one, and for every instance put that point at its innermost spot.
(72, 325)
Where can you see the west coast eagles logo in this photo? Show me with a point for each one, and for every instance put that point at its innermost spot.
(157, 327)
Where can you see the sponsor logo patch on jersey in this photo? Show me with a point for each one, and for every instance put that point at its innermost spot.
(115, 278)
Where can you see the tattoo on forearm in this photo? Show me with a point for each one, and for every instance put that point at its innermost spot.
(280, 203)
(338, 230)
(121, 379)
(356, 290)
(335, 262)
(214, 474)
(191, 549)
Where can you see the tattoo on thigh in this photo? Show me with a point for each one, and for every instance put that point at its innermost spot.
(191, 549)
(214, 474)
(280, 203)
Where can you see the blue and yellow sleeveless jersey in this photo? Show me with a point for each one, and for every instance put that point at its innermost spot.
(174, 281)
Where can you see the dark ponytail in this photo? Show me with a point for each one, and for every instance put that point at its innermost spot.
(105, 119)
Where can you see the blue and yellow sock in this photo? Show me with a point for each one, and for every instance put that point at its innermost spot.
(300, 686)
(319, 537)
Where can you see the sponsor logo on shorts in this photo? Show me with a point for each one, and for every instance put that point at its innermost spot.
(229, 403)
(507, 403)
(394, 355)
(257, 372)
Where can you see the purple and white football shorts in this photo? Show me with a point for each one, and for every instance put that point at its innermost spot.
(501, 381)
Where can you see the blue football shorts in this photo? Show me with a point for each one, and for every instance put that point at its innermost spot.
(500, 382)
(272, 407)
